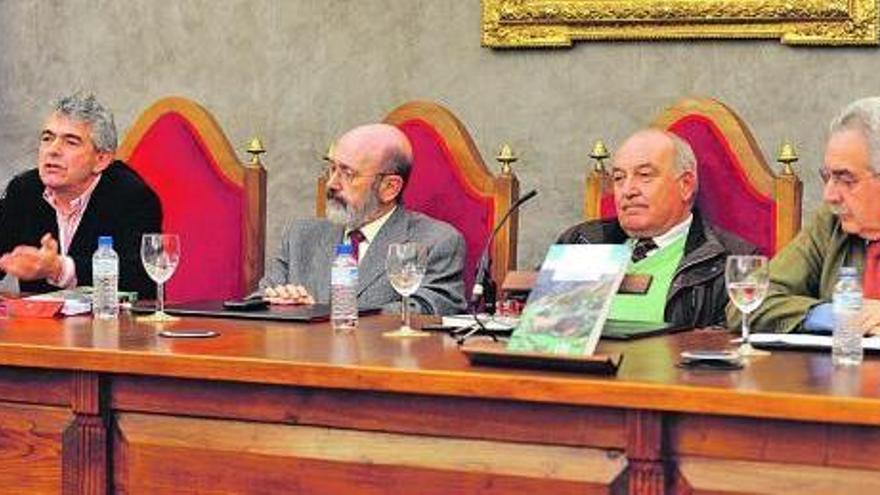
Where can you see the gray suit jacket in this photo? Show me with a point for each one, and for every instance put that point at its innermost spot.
(307, 250)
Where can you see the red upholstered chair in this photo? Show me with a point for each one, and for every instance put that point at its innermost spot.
(738, 191)
(451, 182)
(214, 202)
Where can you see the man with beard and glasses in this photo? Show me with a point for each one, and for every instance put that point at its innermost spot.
(654, 175)
(51, 216)
(844, 232)
(366, 175)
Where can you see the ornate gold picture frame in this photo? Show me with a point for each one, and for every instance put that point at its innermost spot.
(542, 23)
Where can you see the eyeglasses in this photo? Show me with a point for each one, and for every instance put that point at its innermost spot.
(346, 174)
(843, 178)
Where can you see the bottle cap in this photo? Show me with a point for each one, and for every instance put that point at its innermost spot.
(105, 241)
(343, 249)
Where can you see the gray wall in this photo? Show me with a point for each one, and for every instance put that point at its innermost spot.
(299, 72)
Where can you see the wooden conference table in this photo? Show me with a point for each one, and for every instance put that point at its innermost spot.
(98, 407)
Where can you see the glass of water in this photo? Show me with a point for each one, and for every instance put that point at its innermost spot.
(160, 254)
(405, 267)
(748, 279)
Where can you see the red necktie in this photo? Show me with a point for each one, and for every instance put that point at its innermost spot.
(871, 277)
(356, 236)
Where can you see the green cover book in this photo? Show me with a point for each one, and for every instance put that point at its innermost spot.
(568, 306)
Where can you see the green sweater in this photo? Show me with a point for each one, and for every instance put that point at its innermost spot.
(803, 274)
(651, 306)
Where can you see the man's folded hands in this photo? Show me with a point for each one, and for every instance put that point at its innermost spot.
(288, 294)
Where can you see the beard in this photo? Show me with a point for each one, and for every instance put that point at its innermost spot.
(348, 215)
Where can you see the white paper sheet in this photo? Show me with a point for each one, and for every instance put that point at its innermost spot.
(806, 340)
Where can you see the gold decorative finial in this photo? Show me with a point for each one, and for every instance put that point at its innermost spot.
(787, 156)
(505, 157)
(255, 148)
(599, 153)
(328, 153)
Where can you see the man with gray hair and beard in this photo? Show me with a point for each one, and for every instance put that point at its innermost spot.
(366, 176)
(51, 216)
(844, 232)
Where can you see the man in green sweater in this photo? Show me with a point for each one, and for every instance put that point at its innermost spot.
(843, 233)
(654, 175)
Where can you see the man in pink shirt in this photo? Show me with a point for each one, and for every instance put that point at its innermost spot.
(51, 216)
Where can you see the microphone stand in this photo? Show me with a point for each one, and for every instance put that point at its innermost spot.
(485, 289)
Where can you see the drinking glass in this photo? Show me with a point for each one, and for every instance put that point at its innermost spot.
(747, 278)
(405, 267)
(160, 254)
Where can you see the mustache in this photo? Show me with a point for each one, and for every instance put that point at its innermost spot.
(839, 209)
(335, 198)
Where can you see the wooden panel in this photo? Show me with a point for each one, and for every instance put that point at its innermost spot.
(35, 386)
(254, 224)
(854, 446)
(712, 476)
(789, 192)
(799, 386)
(30, 448)
(468, 418)
(158, 454)
(776, 441)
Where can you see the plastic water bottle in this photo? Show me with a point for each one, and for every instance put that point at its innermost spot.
(846, 341)
(105, 278)
(343, 290)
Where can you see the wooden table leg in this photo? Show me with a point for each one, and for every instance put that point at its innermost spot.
(646, 470)
(84, 441)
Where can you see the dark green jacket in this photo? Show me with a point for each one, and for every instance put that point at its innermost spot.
(803, 274)
(697, 295)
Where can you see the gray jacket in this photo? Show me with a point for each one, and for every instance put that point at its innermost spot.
(307, 250)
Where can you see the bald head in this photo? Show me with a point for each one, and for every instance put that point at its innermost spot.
(665, 146)
(375, 146)
(655, 182)
(369, 167)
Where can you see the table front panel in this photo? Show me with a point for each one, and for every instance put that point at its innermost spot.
(162, 454)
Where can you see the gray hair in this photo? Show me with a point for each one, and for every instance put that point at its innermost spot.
(85, 107)
(863, 116)
(685, 161)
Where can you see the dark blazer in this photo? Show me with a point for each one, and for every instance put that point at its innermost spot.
(307, 249)
(122, 206)
(697, 296)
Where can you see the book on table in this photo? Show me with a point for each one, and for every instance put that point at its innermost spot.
(567, 308)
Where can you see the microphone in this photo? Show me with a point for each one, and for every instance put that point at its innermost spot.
(484, 287)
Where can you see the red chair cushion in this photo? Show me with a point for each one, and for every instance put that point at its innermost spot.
(726, 197)
(438, 189)
(723, 184)
(199, 204)
(606, 207)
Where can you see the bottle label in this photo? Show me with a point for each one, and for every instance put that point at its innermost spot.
(847, 301)
(343, 275)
